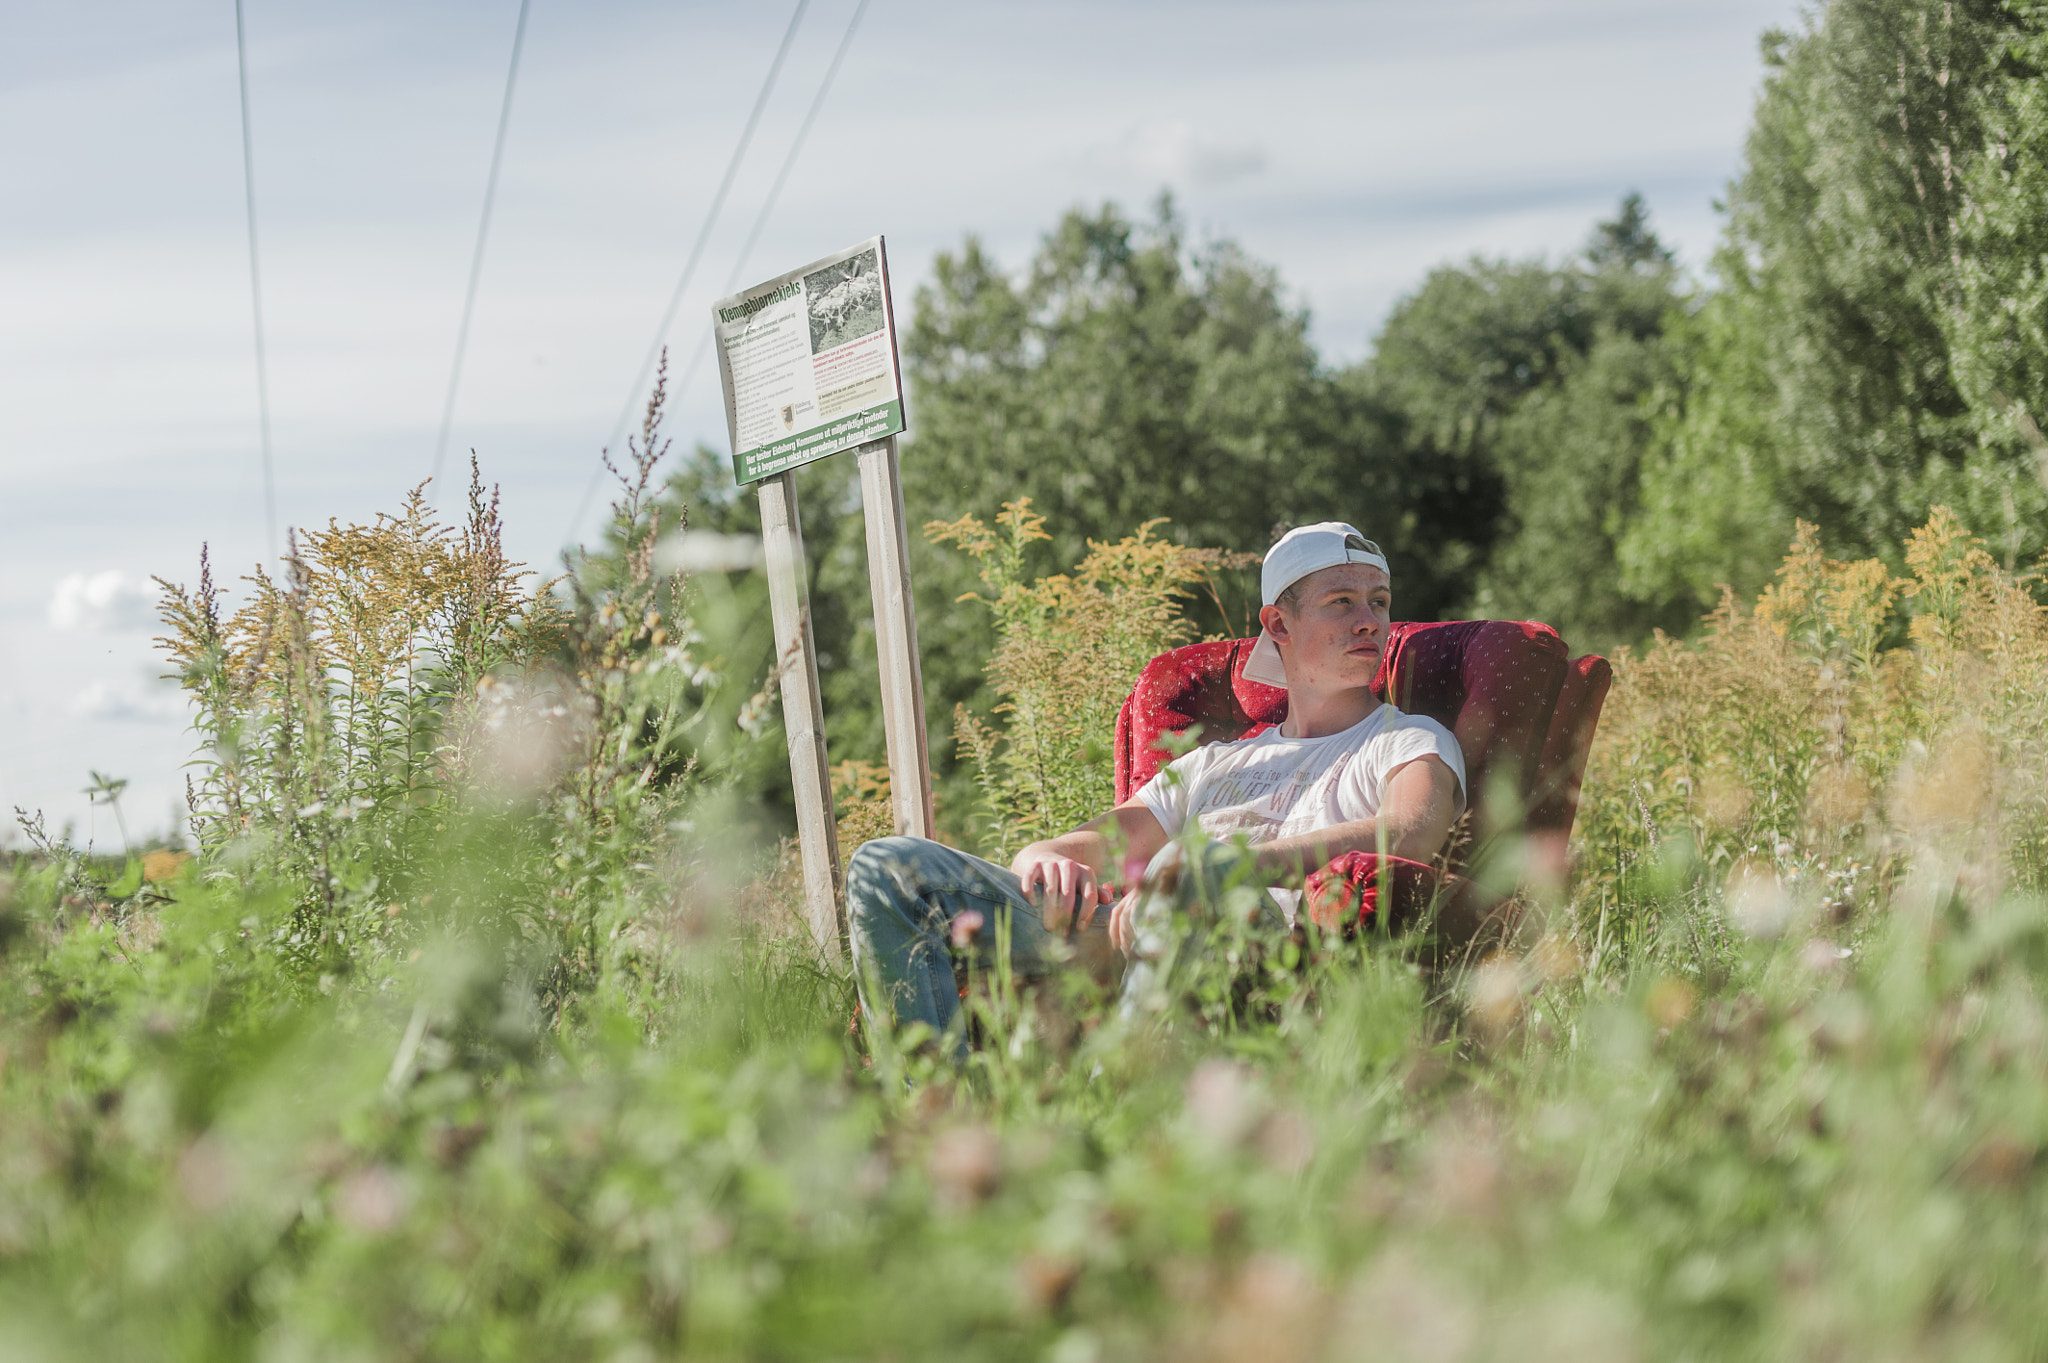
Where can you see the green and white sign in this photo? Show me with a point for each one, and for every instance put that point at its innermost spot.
(809, 363)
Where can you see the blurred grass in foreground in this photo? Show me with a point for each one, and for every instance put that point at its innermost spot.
(543, 1067)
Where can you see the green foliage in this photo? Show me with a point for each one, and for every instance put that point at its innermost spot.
(337, 706)
(1998, 329)
(360, 716)
(1735, 1103)
(476, 1027)
(1124, 378)
(1120, 377)
(1598, 442)
(1530, 386)
(1862, 356)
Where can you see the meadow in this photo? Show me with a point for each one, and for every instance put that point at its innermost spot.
(474, 1017)
(471, 1014)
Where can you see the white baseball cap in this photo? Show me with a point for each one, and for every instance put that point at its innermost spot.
(1303, 550)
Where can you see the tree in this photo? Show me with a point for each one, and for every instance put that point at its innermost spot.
(1833, 377)
(1124, 377)
(1998, 330)
(1627, 243)
(1526, 385)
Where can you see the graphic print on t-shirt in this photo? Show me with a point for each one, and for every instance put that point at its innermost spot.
(1257, 803)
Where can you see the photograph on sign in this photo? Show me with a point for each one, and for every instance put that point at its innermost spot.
(808, 360)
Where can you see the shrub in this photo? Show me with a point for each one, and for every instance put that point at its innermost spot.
(1069, 649)
(1847, 723)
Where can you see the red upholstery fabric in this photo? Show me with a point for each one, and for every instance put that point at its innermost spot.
(1493, 683)
(1345, 894)
(1522, 713)
(1200, 684)
(1563, 764)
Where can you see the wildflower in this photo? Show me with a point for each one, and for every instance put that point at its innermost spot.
(1274, 1310)
(1287, 1141)
(1221, 1103)
(965, 1165)
(966, 928)
(1670, 1001)
(1822, 956)
(1553, 958)
(1496, 994)
(1951, 786)
(1465, 1172)
(370, 1201)
(1044, 1281)
(1837, 798)
(163, 864)
(2000, 1160)
(1399, 1309)
(1756, 900)
(206, 1175)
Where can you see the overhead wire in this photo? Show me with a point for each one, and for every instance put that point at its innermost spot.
(675, 301)
(476, 259)
(256, 289)
(732, 280)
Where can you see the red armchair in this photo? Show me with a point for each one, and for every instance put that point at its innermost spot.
(1523, 712)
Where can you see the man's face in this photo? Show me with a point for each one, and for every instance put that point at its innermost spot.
(1333, 638)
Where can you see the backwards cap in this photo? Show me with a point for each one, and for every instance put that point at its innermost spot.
(1303, 550)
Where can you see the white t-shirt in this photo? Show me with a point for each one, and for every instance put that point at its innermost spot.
(1270, 786)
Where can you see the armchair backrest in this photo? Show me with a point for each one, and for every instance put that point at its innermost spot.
(1522, 710)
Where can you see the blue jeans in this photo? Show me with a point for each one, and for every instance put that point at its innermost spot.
(902, 895)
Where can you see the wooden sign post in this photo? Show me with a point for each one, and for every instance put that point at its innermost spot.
(803, 712)
(910, 772)
(809, 365)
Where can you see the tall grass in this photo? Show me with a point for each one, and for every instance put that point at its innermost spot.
(1772, 1087)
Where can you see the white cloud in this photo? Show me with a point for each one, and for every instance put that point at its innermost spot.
(128, 701)
(1175, 153)
(102, 603)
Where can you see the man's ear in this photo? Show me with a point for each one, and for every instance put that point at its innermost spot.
(1275, 622)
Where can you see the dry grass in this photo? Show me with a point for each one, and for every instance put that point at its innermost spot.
(1847, 725)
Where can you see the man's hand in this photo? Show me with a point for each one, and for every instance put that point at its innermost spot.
(1162, 876)
(1072, 871)
(1123, 922)
(1057, 884)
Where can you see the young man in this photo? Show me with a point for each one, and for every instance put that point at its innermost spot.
(1344, 772)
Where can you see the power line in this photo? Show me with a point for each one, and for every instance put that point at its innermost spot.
(483, 228)
(732, 281)
(668, 316)
(256, 289)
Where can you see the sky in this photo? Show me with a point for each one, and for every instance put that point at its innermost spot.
(1354, 146)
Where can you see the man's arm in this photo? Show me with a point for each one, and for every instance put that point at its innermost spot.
(1076, 867)
(1420, 806)
(1415, 818)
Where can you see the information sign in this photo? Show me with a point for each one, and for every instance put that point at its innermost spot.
(809, 363)
(808, 360)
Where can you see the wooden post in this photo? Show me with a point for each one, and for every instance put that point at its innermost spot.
(910, 772)
(803, 716)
